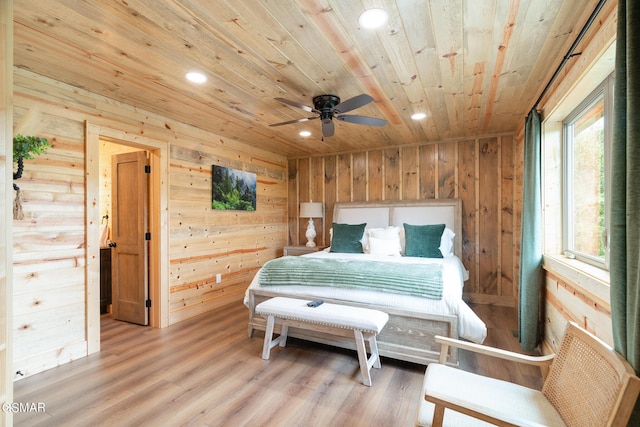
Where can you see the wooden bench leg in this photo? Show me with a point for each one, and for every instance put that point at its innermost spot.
(284, 332)
(366, 363)
(375, 355)
(268, 334)
(269, 342)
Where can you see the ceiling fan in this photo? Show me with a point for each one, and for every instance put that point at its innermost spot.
(329, 107)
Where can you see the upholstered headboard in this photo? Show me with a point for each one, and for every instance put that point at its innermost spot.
(396, 213)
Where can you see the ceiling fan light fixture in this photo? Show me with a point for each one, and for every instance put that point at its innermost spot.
(373, 18)
(329, 107)
(418, 116)
(195, 77)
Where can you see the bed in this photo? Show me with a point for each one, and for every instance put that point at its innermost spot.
(414, 318)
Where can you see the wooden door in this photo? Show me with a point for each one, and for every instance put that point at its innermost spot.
(129, 266)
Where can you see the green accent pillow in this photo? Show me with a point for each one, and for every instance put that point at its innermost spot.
(423, 240)
(346, 238)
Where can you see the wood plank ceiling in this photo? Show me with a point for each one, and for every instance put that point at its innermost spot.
(475, 67)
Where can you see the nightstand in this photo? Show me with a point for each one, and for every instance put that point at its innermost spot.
(301, 250)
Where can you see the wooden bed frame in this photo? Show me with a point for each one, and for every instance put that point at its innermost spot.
(408, 335)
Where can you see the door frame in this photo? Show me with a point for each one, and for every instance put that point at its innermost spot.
(158, 226)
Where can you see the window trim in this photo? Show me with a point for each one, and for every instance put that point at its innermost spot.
(604, 92)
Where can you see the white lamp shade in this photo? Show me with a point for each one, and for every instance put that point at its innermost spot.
(311, 210)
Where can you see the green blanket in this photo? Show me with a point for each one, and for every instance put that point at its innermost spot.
(409, 279)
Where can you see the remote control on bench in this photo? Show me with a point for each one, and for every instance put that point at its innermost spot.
(314, 303)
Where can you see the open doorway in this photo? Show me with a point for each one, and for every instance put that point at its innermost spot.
(158, 275)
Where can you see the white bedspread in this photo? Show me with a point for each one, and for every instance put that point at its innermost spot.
(470, 326)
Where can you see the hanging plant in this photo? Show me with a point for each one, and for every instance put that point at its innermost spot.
(25, 147)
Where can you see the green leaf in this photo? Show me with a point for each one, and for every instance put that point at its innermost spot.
(25, 147)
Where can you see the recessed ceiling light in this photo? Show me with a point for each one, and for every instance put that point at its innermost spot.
(418, 116)
(196, 77)
(305, 133)
(373, 18)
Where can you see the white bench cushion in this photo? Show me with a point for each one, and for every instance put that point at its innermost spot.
(341, 316)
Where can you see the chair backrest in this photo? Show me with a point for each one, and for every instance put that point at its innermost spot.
(590, 384)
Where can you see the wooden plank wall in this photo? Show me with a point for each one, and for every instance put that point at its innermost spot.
(205, 242)
(6, 168)
(567, 299)
(479, 171)
(50, 263)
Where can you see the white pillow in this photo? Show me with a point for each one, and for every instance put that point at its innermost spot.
(388, 233)
(365, 241)
(390, 236)
(384, 247)
(446, 242)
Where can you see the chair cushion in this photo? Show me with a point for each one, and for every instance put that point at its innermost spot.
(503, 400)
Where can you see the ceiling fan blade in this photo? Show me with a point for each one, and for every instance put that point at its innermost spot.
(328, 128)
(298, 105)
(352, 103)
(294, 121)
(361, 120)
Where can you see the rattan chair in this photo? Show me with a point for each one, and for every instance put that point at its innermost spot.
(586, 383)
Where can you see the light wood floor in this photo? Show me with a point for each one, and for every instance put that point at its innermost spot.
(206, 372)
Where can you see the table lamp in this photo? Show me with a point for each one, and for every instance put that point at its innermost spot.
(310, 210)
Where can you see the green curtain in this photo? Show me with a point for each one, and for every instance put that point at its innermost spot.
(625, 194)
(531, 276)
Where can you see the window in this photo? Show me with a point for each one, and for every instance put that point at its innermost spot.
(587, 136)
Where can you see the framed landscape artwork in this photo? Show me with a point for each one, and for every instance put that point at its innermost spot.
(233, 189)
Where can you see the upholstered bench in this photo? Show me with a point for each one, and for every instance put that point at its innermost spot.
(360, 323)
